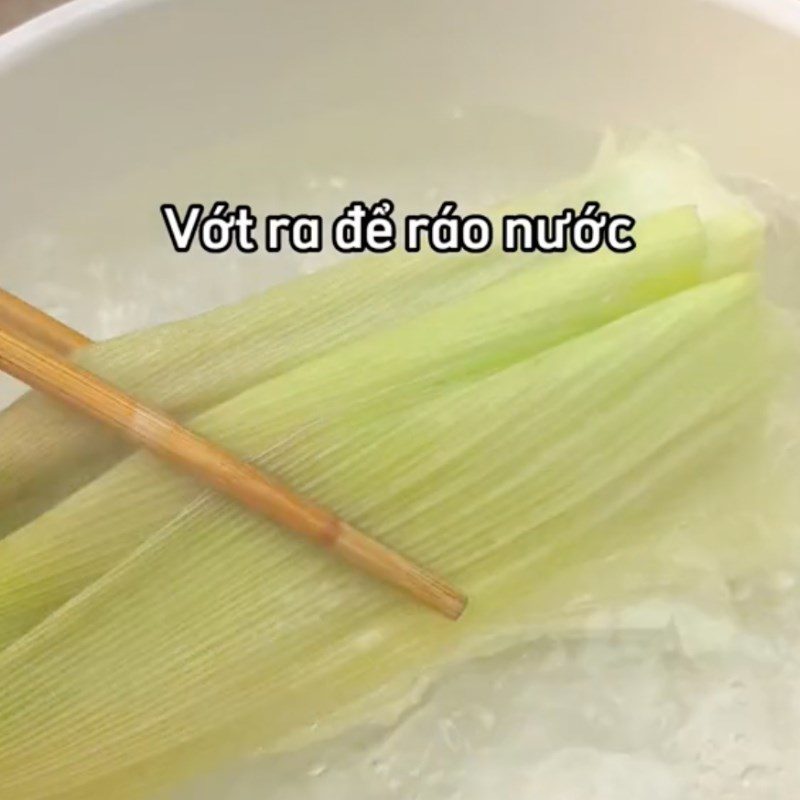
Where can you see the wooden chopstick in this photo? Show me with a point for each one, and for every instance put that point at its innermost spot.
(26, 320)
(25, 357)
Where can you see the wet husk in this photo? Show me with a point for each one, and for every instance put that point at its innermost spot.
(493, 420)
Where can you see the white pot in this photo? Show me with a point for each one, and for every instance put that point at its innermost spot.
(109, 108)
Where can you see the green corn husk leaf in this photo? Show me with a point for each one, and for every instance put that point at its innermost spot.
(219, 631)
(59, 553)
(735, 230)
(498, 429)
(190, 366)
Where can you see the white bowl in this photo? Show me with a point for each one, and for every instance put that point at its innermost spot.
(112, 107)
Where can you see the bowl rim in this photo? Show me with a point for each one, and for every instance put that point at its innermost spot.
(782, 14)
(74, 16)
(32, 36)
(27, 39)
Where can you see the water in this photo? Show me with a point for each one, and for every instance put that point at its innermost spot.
(628, 713)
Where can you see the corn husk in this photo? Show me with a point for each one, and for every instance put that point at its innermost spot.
(193, 365)
(500, 435)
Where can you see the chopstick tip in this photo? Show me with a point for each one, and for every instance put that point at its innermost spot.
(394, 568)
(455, 606)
